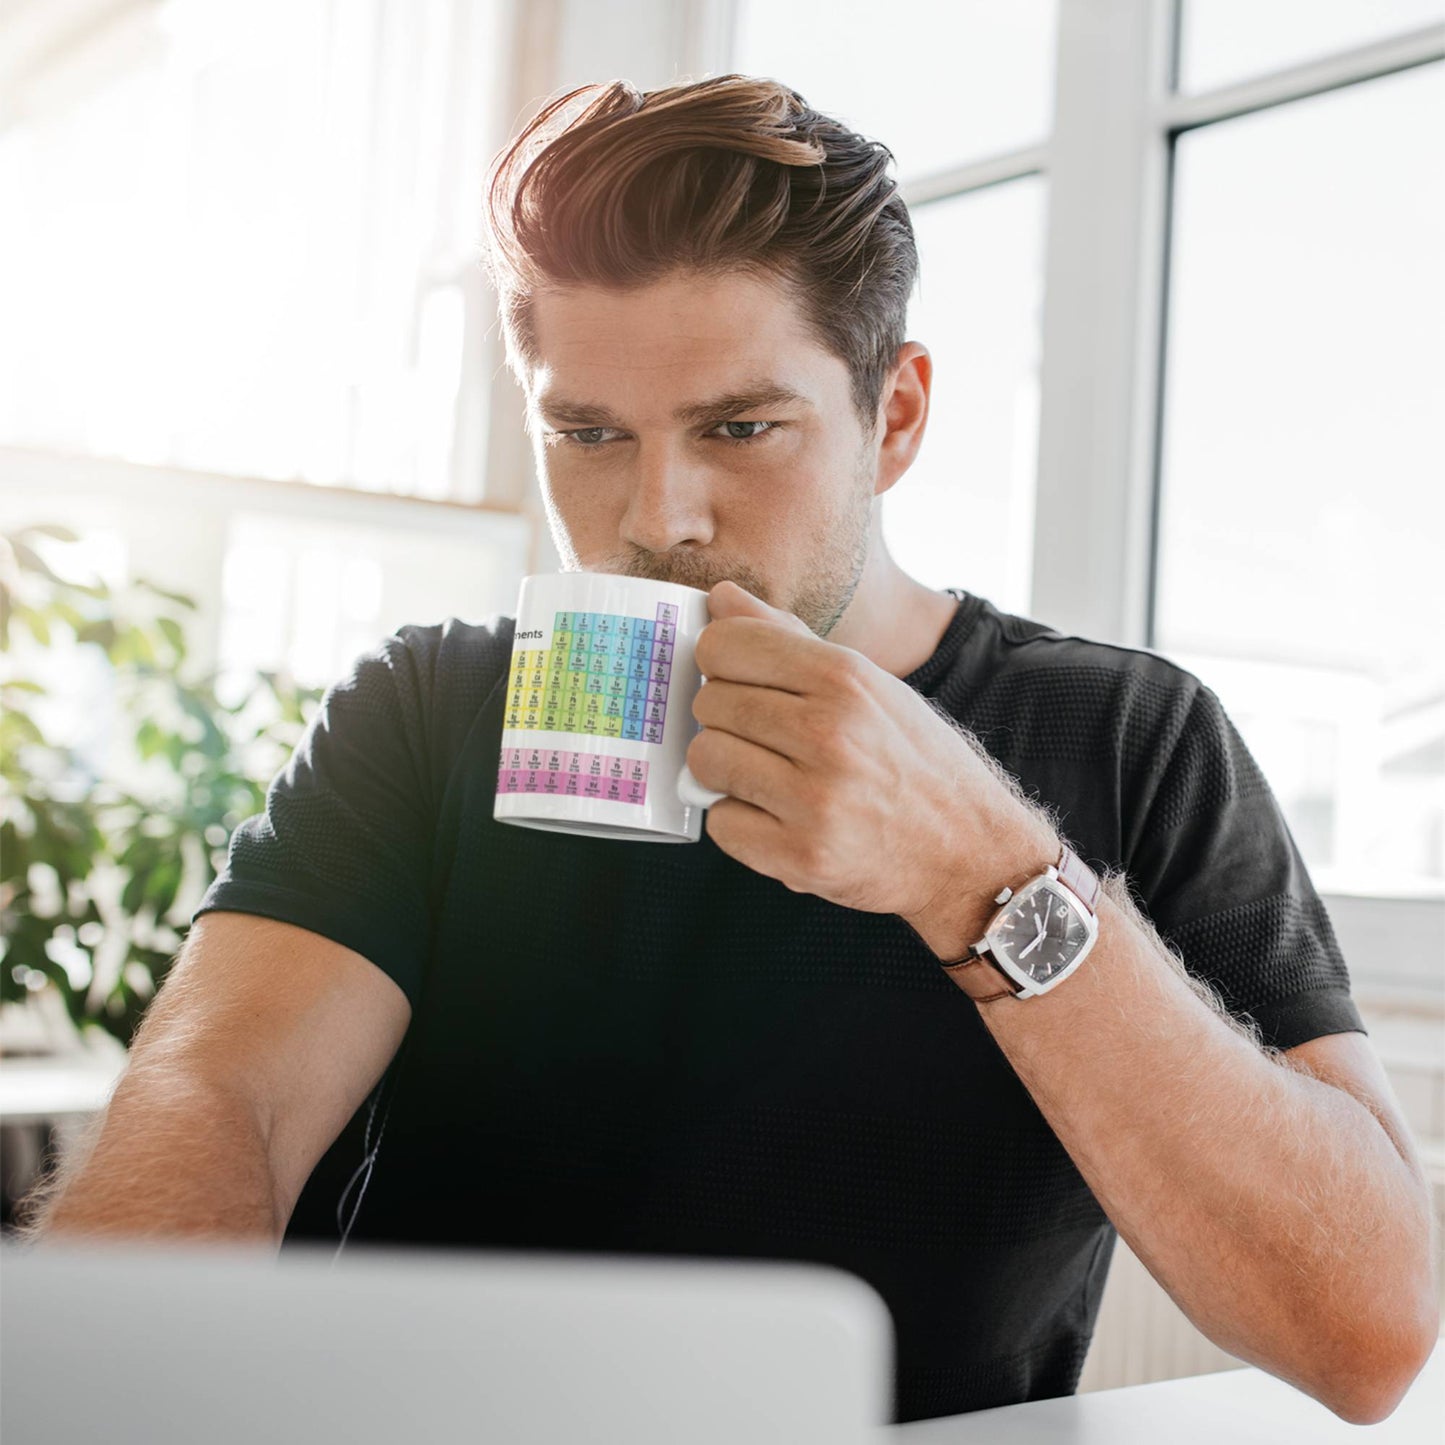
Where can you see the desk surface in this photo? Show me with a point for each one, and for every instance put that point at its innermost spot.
(43, 1091)
(1240, 1407)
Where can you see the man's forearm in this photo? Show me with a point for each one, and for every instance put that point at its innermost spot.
(171, 1157)
(1272, 1206)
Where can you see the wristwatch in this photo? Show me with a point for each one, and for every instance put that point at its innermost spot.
(1037, 939)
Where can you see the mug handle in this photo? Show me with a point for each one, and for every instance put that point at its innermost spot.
(693, 793)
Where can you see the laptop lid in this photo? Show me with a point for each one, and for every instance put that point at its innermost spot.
(140, 1343)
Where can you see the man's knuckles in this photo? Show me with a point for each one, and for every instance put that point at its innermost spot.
(848, 673)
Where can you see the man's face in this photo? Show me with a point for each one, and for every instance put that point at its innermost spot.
(695, 430)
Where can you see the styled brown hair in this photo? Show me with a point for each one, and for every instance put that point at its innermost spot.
(611, 186)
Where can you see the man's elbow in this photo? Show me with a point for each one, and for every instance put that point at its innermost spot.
(1371, 1392)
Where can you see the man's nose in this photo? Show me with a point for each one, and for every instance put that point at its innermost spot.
(668, 505)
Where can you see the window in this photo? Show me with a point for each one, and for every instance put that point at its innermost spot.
(963, 514)
(248, 236)
(309, 594)
(987, 66)
(1302, 530)
(1224, 41)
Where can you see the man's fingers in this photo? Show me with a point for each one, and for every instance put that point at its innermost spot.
(751, 835)
(773, 719)
(761, 652)
(741, 769)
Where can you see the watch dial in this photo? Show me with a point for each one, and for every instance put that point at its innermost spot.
(1042, 935)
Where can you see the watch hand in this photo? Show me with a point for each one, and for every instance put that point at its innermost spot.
(1033, 945)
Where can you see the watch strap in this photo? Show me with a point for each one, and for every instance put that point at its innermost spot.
(1079, 877)
(980, 980)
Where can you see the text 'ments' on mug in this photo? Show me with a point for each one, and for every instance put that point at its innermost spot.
(599, 709)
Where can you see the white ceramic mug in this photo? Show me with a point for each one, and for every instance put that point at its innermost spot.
(599, 709)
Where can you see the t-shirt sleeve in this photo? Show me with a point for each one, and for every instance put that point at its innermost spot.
(1223, 881)
(344, 845)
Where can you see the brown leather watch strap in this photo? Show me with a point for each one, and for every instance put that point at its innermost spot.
(980, 980)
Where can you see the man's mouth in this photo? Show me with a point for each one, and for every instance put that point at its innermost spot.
(687, 569)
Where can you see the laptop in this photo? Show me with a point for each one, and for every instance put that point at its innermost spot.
(231, 1345)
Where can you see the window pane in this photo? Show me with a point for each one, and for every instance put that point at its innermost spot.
(1303, 524)
(1223, 41)
(963, 514)
(244, 227)
(308, 595)
(937, 81)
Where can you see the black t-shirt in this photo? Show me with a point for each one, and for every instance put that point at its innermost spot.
(648, 1047)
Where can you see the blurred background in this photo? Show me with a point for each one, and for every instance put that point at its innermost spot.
(1181, 276)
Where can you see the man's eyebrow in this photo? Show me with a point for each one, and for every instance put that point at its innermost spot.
(740, 403)
(562, 412)
(575, 413)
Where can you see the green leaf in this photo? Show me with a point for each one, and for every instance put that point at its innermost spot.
(133, 896)
(14, 855)
(30, 560)
(178, 597)
(171, 629)
(16, 730)
(149, 739)
(22, 684)
(132, 646)
(162, 886)
(69, 614)
(102, 632)
(48, 529)
(35, 620)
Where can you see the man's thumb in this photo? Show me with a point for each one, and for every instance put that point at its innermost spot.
(727, 599)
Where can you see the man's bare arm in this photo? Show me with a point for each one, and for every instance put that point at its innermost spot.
(1277, 1197)
(261, 1045)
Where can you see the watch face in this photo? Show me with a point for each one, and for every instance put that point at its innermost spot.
(1041, 933)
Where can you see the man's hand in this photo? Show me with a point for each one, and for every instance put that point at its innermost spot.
(843, 782)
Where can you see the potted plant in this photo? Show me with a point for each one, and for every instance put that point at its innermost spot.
(107, 844)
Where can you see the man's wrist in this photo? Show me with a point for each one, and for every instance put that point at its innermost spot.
(958, 914)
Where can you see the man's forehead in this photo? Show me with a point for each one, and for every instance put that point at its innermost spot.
(684, 339)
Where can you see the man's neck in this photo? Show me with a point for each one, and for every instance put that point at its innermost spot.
(892, 620)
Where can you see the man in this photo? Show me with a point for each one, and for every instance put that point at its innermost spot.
(777, 1043)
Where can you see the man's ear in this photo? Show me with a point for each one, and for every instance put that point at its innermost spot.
(903, 413)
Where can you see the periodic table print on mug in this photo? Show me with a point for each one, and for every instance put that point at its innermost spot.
(599, 709)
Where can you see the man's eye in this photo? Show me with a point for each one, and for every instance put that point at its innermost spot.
(742, 431)
(589, 436)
